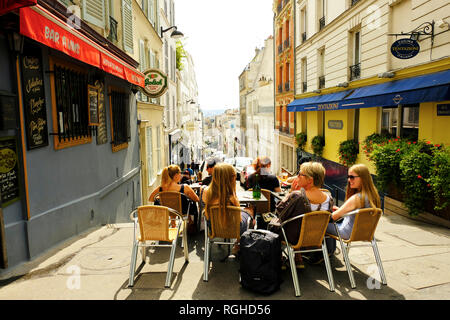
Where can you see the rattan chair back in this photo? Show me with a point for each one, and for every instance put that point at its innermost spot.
(228, 227)
(268, 196)
(366, 221)
(314, 226)
(153, 223)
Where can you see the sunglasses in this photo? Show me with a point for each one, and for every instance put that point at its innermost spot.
(351, 177)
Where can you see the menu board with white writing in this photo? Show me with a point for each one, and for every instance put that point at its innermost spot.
(34, 98)
(9, 171)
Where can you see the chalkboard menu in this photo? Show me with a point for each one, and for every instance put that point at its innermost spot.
(34, 98)
(7, 111)
(93, 106)
(9, 171)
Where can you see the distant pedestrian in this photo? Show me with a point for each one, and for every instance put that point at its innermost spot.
(191, 172)
(210, 164)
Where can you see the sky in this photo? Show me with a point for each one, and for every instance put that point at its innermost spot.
(221, 36)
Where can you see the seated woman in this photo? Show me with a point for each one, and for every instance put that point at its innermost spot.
(360, 193)
(309, 180)
(170, 178)
(266, 179)
(222, 192)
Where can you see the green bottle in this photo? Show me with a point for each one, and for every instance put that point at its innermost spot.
(257, 189)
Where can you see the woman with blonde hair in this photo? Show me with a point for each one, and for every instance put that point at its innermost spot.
(360, 193)
(222, 192)
(170, 179)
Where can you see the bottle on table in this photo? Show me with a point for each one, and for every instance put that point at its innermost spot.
(257, 189)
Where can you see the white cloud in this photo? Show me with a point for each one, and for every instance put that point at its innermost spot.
(221, 37)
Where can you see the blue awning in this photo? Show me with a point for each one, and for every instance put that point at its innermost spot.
(426, 88)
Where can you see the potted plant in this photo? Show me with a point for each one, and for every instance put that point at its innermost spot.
(301, 139)
(318, 143)
(348, 152)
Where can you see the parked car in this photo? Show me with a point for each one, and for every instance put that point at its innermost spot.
(240, 164)
(231, 161)
(245, 173)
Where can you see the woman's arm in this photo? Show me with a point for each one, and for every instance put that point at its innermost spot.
(351, 204)
(190, 193)
(152, 196)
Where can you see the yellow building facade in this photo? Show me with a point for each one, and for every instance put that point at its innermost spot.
(344, 48)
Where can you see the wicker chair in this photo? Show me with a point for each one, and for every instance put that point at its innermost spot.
(154, 227)
(312, 234)
(228, 231)
(172, 199)
(364, 226)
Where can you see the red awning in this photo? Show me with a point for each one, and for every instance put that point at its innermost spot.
(40, 25)
(10, 5)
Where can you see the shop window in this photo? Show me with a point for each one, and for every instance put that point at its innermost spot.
(120, 123)
(401, 121)
(410, 121)
(389, 121)
(70, 106)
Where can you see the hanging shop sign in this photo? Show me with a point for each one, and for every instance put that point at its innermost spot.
(155, 83)
(405, 48)
(9, 171)
(34, 98)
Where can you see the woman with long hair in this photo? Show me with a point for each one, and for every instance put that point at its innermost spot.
(360, 193)
(170, 181)
(222, 192)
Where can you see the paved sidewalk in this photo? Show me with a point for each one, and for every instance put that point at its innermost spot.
(415, 256)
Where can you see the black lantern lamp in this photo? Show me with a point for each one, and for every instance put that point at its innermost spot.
(175, 34)
(15, 41)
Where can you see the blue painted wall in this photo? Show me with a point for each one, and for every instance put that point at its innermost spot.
(73, 189)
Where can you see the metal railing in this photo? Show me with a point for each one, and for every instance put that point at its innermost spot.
(303, 37)
(354, 2)
(355, 71)
(112, 29)
(287, 86)
(321, 23)
(321, 82)
(287, 43)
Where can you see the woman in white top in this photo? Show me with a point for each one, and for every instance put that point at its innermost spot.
(311, 178)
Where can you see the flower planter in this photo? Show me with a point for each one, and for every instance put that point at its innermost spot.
(392, 207)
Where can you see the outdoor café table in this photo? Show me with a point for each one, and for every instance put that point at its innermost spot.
(259, 205)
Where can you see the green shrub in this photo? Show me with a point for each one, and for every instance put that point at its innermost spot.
(318, 143)
(348, 152)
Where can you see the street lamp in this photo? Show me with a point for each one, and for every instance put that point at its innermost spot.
(15, 42)
(175, 34)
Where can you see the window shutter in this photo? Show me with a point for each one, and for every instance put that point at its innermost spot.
(94, 12)
(141, 55)
(127, 22)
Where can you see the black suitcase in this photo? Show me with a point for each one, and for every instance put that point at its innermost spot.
(260, 261)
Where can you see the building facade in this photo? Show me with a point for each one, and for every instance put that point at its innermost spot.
(149, 49)
(69, 122)
(284, 62)
(349, 83)
(259, 104)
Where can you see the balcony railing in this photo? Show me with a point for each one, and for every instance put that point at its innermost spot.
(286, 2)
(354, 2)
(321, 82)
(304, 86)
(280, 88)
(321, 23)
(355, 71)
(303, 37)
(279, 7)
(287, 86)
(287, 43)
(112, 29)
(280, 48)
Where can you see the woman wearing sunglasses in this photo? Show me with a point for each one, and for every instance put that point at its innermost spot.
(360, 193)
